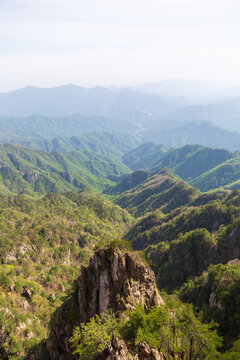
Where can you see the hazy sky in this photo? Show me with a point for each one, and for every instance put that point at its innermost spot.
(103, 42)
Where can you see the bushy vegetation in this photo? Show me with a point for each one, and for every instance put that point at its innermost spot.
(187, 256)
(202, 167)
(157, 227)
(224, 175)
(173, 329)
(93, 337)
(46, 238)
(162, 190)
(217, 293)
(44, 241)
(129, 182)
(28, 171)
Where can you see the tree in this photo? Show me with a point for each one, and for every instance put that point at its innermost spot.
(93, 337)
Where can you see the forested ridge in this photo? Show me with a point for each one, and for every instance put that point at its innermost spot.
(68, 212)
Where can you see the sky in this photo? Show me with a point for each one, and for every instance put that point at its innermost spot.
(118, 42)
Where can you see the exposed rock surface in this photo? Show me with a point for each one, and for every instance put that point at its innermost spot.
(66, 175)
(15, 160)
(120, 351)
(30, 176)
(113, 280)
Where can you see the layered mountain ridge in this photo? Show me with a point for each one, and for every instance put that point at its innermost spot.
(119, 225)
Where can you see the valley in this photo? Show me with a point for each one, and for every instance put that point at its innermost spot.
(116, 242)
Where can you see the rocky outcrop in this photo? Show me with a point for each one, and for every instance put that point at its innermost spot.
(112, 280)
(15, 160)
(120, 351)
(30, 176)
(66, 175)
(145, 352)
(228, 244)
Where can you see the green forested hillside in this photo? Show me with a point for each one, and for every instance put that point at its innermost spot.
(119, 225)
(161, 190)
(158, 227)
(224, 175)
(98, 163)
(192, 160)
(43, 244)
(144, 156)
(38, 127)
(188, 237)
(216, 292)
(105, 143)
(128, 182)
(24, 170)
(45, 240)
(202, 167)
(183, 244)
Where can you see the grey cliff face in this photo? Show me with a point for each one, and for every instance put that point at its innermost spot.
(112, 280)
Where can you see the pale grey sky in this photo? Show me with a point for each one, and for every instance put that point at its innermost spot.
(102, 42)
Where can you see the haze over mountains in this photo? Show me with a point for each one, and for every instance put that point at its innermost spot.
(161, 112)
(88, 174)
(108, 132)
(71, 99)
(119, 190)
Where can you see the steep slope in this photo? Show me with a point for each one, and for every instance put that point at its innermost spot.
(216, 293)
(144, 322)
(226, 175)
(157, 227)
(128, 182)
(188, 161)
(111, 281)
(202, 167)
(25, 170)
(190, 253)
(162, 190)
(43, 244)
(191, 161)
(144, 156)
(45, 241)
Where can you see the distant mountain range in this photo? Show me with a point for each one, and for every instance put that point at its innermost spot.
(144, 110)
(190, 90)
(224, 113)
(71, 99)
(54, 133)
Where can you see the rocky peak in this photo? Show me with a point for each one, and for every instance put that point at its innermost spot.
(112, 280)
(115, 281)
